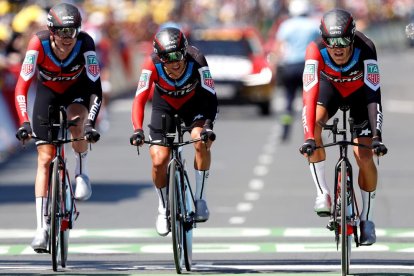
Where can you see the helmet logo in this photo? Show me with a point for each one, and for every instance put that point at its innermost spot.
(335, 30)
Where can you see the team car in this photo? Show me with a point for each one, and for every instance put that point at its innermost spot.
(238, 65)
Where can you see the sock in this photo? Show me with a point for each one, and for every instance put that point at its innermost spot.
(162, 198)
(41, 211)
(81, 161)
(318, 175)
(201, 180)
(368, 202)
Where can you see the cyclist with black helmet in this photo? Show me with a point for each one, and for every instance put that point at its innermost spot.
(183, 85)
(68, 75)
(342, 68)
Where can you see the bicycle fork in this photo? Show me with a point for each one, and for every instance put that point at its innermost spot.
(350, 201)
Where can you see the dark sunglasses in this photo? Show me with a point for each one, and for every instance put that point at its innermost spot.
(172, 57)
(338, 42)
(66, 32)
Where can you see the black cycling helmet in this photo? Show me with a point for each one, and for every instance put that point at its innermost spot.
(337, 28)
(170, 44)
(64, 16)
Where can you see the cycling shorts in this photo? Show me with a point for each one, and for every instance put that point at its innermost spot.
(45, 97)
(331, 99)
(194, 109)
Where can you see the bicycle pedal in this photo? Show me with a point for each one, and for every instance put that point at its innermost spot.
(41, 250)
(323, 214)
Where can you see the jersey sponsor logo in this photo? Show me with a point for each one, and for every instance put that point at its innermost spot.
(372, 76)
(305, 121)
(21, 101)
(77, 100)
(343, 79)
(144, 80)
(92, 65)
(188, 88)
(29, 65)
(59, 78)
(310, 74)
(207, 81)
(93, 112)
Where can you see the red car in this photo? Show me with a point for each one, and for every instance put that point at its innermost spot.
(238, 65)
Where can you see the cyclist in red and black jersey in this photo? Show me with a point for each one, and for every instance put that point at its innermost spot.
(68, 75)
(341, 68)
(183, 86)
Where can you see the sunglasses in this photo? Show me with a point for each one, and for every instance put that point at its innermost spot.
(172, 57)
(66, 32)
(337, 42)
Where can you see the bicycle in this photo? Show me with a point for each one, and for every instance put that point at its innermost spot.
(62, 211)
(344, 221)
(180, 207)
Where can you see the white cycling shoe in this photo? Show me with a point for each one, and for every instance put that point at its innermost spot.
(40, 241)
(323, 205)
(83, 187)
(162, 224)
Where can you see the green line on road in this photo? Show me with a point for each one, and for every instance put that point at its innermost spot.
(219, 248)
(202, 232)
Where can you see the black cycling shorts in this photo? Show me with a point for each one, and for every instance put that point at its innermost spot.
(46, 97)
(331, 99)
(196, 108)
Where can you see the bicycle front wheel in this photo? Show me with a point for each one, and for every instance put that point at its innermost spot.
(188, 229)
(64, 234)
(54, 211)
(346, 238)
(177, 229)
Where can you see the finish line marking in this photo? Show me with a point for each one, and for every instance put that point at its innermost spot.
(236, 232)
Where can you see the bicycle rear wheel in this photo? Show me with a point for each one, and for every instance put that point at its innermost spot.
(177, 227)
(346, 238)
(54, 211)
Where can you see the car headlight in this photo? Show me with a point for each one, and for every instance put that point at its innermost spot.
(262, 78)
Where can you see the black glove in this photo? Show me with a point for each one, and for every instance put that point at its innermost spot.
(138, 137)
(24, 131)
(378, 146)
(91, 134)
(308, 147)
(207, 132)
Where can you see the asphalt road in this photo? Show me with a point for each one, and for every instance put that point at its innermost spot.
(260, 194)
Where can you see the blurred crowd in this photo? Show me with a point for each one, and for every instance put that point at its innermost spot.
(122, 27)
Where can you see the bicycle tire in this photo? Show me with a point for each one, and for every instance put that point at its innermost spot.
(188, 229)
(176, 222)
(64, 235)
(345, 238)
(54, 211)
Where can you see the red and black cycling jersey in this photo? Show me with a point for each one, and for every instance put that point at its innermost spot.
(196, 79)
(59, 75)
(360, 72)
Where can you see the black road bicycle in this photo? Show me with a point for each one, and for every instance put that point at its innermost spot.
(344, 218)
(180, 207)
(62, 210)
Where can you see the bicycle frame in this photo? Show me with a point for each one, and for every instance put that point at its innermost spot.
(180, 207)
(344, 217)
(62, 211)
